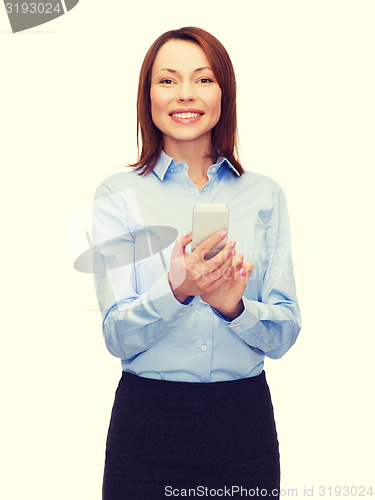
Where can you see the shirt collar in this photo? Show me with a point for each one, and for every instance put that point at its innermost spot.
(165, 162)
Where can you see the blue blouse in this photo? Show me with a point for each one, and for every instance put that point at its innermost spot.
(143, 324)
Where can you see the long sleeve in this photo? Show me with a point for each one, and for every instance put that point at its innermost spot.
(143, 323)
(272, 323)
(135, 313)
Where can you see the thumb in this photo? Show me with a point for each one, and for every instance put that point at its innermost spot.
(185, 240)
(181, 244)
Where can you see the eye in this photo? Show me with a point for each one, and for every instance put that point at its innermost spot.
(205, 80)
(167, 81)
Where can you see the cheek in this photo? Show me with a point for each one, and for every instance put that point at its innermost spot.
(156, 102)
(155, 109)
(159, 106)
(159, 100)
(216, 103)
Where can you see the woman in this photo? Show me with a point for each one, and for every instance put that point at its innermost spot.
(192, 409)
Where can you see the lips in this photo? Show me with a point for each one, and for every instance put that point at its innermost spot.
(186, 114)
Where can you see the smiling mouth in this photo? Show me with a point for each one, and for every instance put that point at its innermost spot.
(186, 116)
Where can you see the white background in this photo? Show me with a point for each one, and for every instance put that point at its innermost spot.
(306, 79)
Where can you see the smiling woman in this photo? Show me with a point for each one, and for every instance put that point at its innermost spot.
(194, 90)
(193, 407)
(191, 61)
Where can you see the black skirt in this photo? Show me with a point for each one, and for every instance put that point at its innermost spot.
(214, 439)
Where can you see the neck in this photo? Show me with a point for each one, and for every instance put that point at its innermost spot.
(193, 153)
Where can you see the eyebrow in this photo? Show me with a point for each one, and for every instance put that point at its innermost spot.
(174, 71)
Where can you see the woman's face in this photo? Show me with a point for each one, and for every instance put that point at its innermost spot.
(185, 96)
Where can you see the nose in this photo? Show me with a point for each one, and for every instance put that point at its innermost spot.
(186, 93)
(186, 98)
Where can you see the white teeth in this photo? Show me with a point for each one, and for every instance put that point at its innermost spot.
(186, 115)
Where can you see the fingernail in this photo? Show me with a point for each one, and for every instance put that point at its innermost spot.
(241, 271)
(222, 234)
(233, 251)
(233, 244)
(187, 235)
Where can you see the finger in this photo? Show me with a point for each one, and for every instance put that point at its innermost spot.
(185, 240)
(220, 258)
(224, 271)
(211, 280)
(237, 260)
(246, 270)
(209, 243)
(222, 274)
(181, 244)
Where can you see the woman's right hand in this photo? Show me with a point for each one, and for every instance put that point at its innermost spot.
(190, 274)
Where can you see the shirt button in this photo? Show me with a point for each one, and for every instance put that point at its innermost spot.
(204, 347)
(180, 314)
(214, 170)
(204, 189)
(232, 325)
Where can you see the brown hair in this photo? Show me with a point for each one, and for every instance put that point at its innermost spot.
(224, 136)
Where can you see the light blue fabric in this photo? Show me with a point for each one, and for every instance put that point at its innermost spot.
(143, 324)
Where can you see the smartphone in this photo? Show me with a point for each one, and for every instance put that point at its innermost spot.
(208, 218)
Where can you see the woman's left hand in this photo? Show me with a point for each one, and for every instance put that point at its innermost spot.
(227, 297)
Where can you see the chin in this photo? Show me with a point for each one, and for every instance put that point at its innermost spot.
(185, 135)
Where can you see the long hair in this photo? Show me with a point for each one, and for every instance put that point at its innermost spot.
(224, 136)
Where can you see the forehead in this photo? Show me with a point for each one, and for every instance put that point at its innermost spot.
(180, 55)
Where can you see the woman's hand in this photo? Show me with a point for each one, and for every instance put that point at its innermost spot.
(220, 281)
(190, 274)
(227, 297)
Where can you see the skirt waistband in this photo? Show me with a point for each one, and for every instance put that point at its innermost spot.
(240, 390)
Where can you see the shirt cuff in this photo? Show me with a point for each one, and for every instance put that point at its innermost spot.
(245, 321)
(163, 300)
